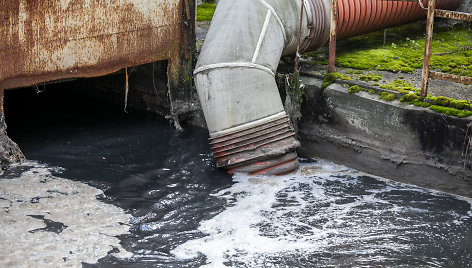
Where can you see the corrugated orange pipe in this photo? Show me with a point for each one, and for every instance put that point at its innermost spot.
(357, 17)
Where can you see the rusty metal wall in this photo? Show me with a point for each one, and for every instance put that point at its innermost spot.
(357, 17)
(44, 40)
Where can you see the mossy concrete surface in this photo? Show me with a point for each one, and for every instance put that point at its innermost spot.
(403, 50)
(391, 139)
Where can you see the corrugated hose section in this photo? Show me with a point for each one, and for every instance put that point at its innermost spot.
(267, 148)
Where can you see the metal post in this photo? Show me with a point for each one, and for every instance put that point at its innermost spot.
(332, 36)
(1, 101)
(427, 47)
(2, 118)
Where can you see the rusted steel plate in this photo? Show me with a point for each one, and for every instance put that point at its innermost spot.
(362, 16)
(453, 15)
(466, 80)
(44, 40)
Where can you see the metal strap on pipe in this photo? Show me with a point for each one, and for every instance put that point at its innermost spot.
(261, 36)
(272, 10)
(240, 64)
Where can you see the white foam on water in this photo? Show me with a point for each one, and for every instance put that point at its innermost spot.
(90, 227)
(302, 213)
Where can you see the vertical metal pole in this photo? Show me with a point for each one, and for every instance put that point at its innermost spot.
(332, 36)
(2, 116)
(1, 102)
(427, 48)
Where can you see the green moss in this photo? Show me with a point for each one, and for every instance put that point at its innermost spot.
(205, 12)
(409, 97)
(354, 89)
(419, 103)
(387, 96)
(442, 101)
(375, 84)
(460, 104)
(400, 86)
(451, 51)
(461, 108)
(371, 77)
(329, 78)
(450, 111)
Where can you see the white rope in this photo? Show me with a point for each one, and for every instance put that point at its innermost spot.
(421, 4)
(261, 36)
(233, 65)
(272, 10)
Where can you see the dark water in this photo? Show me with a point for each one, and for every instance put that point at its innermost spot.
(187, 213)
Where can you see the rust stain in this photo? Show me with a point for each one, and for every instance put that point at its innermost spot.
(44, 40)
(453, 15)
(466, 80)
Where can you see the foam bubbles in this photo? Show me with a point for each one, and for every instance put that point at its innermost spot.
(327, 214)
(48, 221)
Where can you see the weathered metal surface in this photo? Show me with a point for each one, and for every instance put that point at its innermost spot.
(453, 15)
(44, 40)
(466, 80)
(263, 149)
(332, 36)
(318, 29)
(362, 16)
(259, 166)
(427, 47)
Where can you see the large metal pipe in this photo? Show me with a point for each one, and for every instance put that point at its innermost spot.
(357, 17)
(234, 75)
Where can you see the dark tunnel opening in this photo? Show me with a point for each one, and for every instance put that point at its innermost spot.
(83, 122)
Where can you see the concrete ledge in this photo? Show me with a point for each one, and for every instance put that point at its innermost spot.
(389, 139)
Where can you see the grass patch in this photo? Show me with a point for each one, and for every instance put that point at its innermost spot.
(205, 12)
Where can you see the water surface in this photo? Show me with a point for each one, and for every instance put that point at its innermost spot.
(187, 213)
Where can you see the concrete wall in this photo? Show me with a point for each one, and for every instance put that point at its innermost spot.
(389, 139)
(466, 6)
